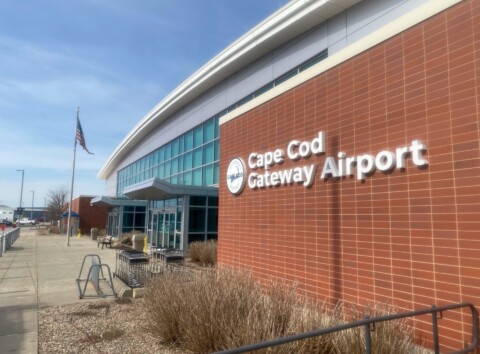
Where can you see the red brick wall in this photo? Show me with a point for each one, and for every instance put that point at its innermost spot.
(90, 215)
(409, 237)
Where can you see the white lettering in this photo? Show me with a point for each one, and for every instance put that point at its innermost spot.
(285, 176)
(401, 153)
(309, 174)
(252, 180)
(318, 144)
(416, 149)
(365, 165)
(290, 152)
(385, 160)
(329, 168)
(251, 160)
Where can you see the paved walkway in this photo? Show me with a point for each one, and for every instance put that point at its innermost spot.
(39, 270)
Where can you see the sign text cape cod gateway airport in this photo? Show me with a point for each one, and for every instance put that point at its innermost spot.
(342, 165)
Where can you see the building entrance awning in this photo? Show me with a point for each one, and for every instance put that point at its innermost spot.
(113, 202)
(156, 189)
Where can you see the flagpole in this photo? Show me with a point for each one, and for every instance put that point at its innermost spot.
(69, 231)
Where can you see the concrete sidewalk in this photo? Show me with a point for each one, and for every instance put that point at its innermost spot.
(39, 270)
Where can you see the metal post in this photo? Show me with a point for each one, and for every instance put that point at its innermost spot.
(33, 198)
(21, 192)
(436, 344)
(69, 232)
(368, 338)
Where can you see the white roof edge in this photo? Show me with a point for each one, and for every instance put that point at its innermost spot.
(288, 16)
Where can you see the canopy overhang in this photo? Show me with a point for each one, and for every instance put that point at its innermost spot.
(113, 202)
(158, 189)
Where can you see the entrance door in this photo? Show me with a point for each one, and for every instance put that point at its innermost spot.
(167, 228)
(112, 224)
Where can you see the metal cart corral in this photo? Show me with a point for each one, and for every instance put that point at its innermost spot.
(132, 267)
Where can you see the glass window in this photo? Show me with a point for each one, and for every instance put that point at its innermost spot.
(180, 164)
(174, 179)
(179, 221)
(180, 144)
(198, 200)
(168, 151)
(180, 178)
(217, 127)
(167, 169)
(196, 220)
(217, 150)
(215, 173)
(212, 220)
(198, 136)
(208, 153)
(188, 140)
(197, 177)
(197, 157)
(208, 130)
(188, 161)
(161, 154)
(175, 147)
(174, 169)
(139, 221)
(156, 154)
(187, 178)
(208, 175)
(196, 238)
(212, 201)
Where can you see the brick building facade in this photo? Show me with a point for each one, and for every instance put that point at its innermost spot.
(90, 215)
(406, 236)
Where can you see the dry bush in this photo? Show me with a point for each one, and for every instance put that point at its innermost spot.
(43, 231)
(226, 309)
(53, 230)
(102, 232)
(204, 253)
(386, 337)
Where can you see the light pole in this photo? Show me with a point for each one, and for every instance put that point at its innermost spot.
(33, 198)
(21, 194)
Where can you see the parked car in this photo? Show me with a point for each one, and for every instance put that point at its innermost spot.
(6, 222)
(26, 221)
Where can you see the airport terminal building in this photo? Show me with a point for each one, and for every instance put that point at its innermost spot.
(336, 145)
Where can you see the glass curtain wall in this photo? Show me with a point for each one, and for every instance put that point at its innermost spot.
(190, 159)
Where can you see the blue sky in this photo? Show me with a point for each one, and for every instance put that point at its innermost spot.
(115, 59)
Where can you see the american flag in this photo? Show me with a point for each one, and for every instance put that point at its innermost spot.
(81, 137)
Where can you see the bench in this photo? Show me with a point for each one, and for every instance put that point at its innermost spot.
(107, 240)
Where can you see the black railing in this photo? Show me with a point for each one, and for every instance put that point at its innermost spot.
(367, 322)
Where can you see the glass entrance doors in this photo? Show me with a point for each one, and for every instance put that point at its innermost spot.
(112, 224)
(167, 228)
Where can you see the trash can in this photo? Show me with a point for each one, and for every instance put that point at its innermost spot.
(94, 233)
(137, 241)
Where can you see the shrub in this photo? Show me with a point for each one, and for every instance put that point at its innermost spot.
(204, 253)
(225, 309)
(387, 337)
(222, 309)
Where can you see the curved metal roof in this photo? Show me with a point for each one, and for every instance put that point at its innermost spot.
(285, 24)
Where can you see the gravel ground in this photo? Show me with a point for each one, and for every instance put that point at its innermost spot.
(105, 326)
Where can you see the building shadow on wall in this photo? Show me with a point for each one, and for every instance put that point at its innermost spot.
(336, 231)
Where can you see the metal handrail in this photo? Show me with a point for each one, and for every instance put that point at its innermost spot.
(7, 240)
(366, 322)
